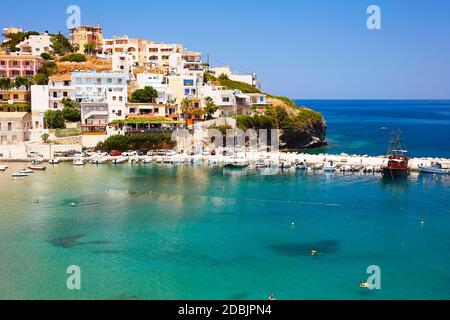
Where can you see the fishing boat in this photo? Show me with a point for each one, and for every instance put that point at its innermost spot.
(434, 167)
(397, 165)
(329, 167)
(236, 163)
(19, 174)
(79, 162)
(35, 167)
(3, 167)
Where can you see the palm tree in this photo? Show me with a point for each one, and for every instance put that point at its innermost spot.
(187, 108)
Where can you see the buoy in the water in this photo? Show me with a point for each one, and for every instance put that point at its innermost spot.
(73, 204)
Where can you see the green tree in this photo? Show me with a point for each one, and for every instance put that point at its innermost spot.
(54, 119)
(45, 137)
(187, 108)
(41, 79)
(61, 45)
(223, 77)
(90, 48)
(210, 108)
(146, 95)
(22, 81)
(5, 83)
(71, 111)
(74, 57)
(46, 56)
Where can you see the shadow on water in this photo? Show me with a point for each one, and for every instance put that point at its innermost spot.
(395, 184)
(239, 296)
(73, 241)
(304, 249)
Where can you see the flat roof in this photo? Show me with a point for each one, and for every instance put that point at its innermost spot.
(22, 57)
(12, 115)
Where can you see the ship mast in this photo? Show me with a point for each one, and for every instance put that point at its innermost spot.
(395, 144)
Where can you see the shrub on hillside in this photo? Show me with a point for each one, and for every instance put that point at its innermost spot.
(74, 57)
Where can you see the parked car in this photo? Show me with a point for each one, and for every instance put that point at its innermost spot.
(129, 153)
(151, 153)
(100, 154)
(115, 153)
(170, 153)
(143, 152)
(33, 154)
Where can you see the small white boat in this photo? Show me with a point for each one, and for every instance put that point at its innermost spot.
(329, 167)
(301, 165)
(147, 161)
(26, 171)
(285, 165)
(133, 160)
(99, 160)
(54, 161)
(79, 162)
(168, 160)
(120, 160)
(3, 167)
(435, 167)
(262, 163)
(236, 163)
(19, 174)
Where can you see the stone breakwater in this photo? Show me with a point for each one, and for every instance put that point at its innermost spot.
(341, 161)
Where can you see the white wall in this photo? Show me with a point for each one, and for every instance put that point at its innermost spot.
(39, 105)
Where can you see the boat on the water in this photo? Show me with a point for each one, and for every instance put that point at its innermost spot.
(285, 165)
(262, 163)
(3, 167)
(133, 160)
(329, 167)
(102, 160)
(236, 163)
(26, 171)
(397, 166)
(119, 160)
(19, 174)
(79, 162)
(37, 168)
(434, 167)
(301, 165)
(54, 161)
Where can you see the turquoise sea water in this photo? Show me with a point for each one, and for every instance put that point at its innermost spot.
(364, 126)
(157, 232)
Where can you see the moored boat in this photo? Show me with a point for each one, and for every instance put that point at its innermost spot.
(119, 160)
(19, 174)
(329, 167)
(397, 166)
(54, 161)
(236, 163)
(3, 167)
(37, 168)
(434, 167)
(301, 165)
(79, 162)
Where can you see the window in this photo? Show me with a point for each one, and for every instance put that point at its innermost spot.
(9, 126)
(15, 96)
(188, 83)
(121, 99)
(65, 94)
(99, 80)
(55, 105)
(55, 94)
(119, 80)
(119, 113)
(114, 98)
(109, 80)
(132, 110)
(186, 92)
(225, 99)
(66, 83)
(196, 105)
(156, 110)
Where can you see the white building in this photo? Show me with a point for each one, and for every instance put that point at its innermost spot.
(250, 79)
(185, 86)
(122, 62)
(159, 83)
(185, 62)
(102, 96)
(60, 88)
(39, 105)
(35, 45)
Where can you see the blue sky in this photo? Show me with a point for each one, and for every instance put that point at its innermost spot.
(315, 49)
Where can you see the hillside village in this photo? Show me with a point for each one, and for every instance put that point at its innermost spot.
(86, 88)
